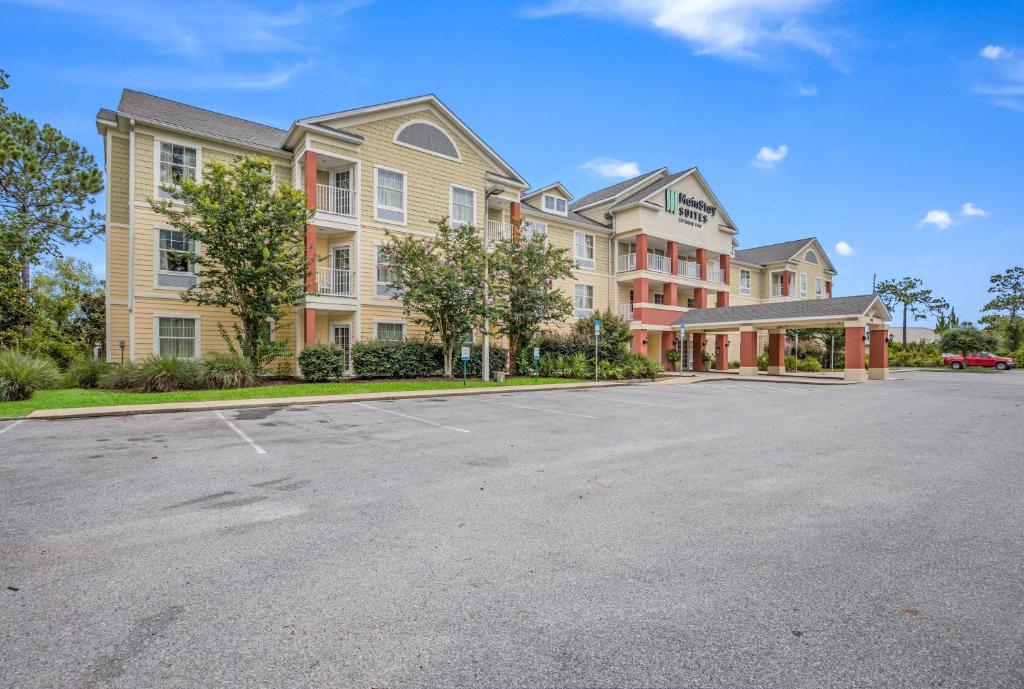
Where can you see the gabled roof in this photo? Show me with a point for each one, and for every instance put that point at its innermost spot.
(161, 111)
(781, 252)
(380, 110)
(641, 195)
(571, 216)
(558, 186)
(611, 192)
(837, 309)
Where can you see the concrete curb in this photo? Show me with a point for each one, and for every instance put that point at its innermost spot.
(170, 407)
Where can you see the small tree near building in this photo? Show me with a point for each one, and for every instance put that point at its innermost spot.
(251, 257)
(1007, 305)
(440, 282)
(965, 340)
(911, 297)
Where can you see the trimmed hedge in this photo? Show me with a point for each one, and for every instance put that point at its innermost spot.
(322, 362)
(416, 359)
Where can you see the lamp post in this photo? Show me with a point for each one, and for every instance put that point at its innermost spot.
(485, 353)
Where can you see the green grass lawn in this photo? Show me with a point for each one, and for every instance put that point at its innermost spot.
(78, 397)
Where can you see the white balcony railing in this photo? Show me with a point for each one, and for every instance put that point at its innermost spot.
(334, 200)
(716, 274)
(625, 311)
(689, 269)
(659, 264)
(496, 231)
(333, 282)
(625, 262)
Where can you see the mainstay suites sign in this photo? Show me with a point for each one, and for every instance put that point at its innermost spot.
(692, 211)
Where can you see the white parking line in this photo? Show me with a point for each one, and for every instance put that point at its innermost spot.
(546, 411)
(414, 418)
(241, 434)
(646, 404)
(7, 428)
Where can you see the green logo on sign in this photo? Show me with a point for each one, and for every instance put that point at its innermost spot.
(671, 200)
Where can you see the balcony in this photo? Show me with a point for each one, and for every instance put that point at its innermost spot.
(334, 283)
(625, 262)
(716, 274)
(689, 269)
(496, 231)
(625, 311)
(659, 264)
(334, 200)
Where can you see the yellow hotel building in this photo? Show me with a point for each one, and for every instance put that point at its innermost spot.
(651, 248)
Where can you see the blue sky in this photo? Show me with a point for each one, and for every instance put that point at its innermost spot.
(894, 128)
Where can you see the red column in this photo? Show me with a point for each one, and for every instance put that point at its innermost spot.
(722, 298)
(698, 355)
(668, 342)
(673, 256)
(515, 212)
(671, 289)
(700, 297)
(702, 263)
(640, 291)
(725, 263)
(721, 352)
(828, 288)
(776, 349)
(854, 353)
(641, 252)
(748, 349)
(671, 294)
(309, 179)
(639, 342)
(785, 283)
(879, 349)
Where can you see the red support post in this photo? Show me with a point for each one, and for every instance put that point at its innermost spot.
(700, 297)
(639, 341)
(854, 366)
(640, 291)
(309, 174)
(309, 327)
(702, 263)
(698, 354)
(722, 298)
(785, 283)
(725, 263)
(721, 352)
(748, 352)
(776, 353)
(515, 213)
(828, 288)
(668, 343)
(641, 252)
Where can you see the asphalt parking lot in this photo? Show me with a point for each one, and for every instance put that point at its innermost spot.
(720, 534)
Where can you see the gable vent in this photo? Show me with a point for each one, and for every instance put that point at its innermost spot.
(427, 137)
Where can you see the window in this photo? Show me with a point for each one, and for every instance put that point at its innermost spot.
(744, 281)
(176, 163)
(811, 257)
(266, 333)
(819, 288)
(390, 332)
(174, 248)
(689, 303)
(176, 337)
(554, 204)
(583, 249)
(532, 227)
(427, 137)
(463, 206)
(659, 298)
(390, 204)
(803, 285)
(583, 300)
(384, 273)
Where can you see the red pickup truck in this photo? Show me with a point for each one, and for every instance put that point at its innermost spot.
(978, 359)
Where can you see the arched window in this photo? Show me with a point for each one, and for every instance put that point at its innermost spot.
(427, 137)
(811, 257)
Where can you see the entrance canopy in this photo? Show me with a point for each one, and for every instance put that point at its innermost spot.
(838, 312)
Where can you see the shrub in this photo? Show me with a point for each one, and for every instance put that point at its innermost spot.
(762, 362)
(86, 372)
(734, 364)
(409, 359)
(791, 363)
(22, 374)
(498, 358)
(122, 377)
(322, 362)
(167, 374)
(226, 370)
(809, 365)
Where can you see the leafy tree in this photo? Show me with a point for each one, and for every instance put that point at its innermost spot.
(47, 183)
(966, 339)
(525, 296)
(908, 294)
(252, 260)
(1008, 300)
(70, 315)
(15, 307)
(615, 335)
(440, 282)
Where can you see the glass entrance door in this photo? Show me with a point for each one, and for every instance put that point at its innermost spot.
(341, 335)
(341, 261)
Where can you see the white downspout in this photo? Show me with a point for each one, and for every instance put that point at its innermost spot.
(131, 240)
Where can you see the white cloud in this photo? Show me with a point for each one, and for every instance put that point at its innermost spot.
(728, 28)
(806, 91)
(994, 52)
(844, 249)
(768, 158)
(612, 168)
(940, 219)
(969, 210)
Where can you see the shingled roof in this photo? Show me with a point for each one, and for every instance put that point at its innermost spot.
(612, 191)
(837, 308)
(571, 215)
(649, 189)
(771, 253)
(158, 110)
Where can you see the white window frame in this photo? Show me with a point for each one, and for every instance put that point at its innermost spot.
(532, 227)
(377, 284)
(376, 196)
(197, 343)
(588, 295)
(584, 261)
(750, 276)
(556, 201)
(819, 288)
(803, 285)
(435, 125)
(811, 252)
(400, 324)
(451, 206)
(158, 193)
(160, 251)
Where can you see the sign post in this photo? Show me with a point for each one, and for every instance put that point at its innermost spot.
(536, 361)
(465, 363)
(682, 346)
(597, 340)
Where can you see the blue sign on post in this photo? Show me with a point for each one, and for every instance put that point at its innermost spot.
(465, 361)
(597, 325)
(536, 353)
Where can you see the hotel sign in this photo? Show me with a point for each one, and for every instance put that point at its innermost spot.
(692, 211)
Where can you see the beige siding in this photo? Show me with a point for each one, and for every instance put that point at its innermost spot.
(117, 185)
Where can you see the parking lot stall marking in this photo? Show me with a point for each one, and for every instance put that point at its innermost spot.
(408, 416)
(241, 434)
(546, 411)
(9, 427)
(646, 404)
